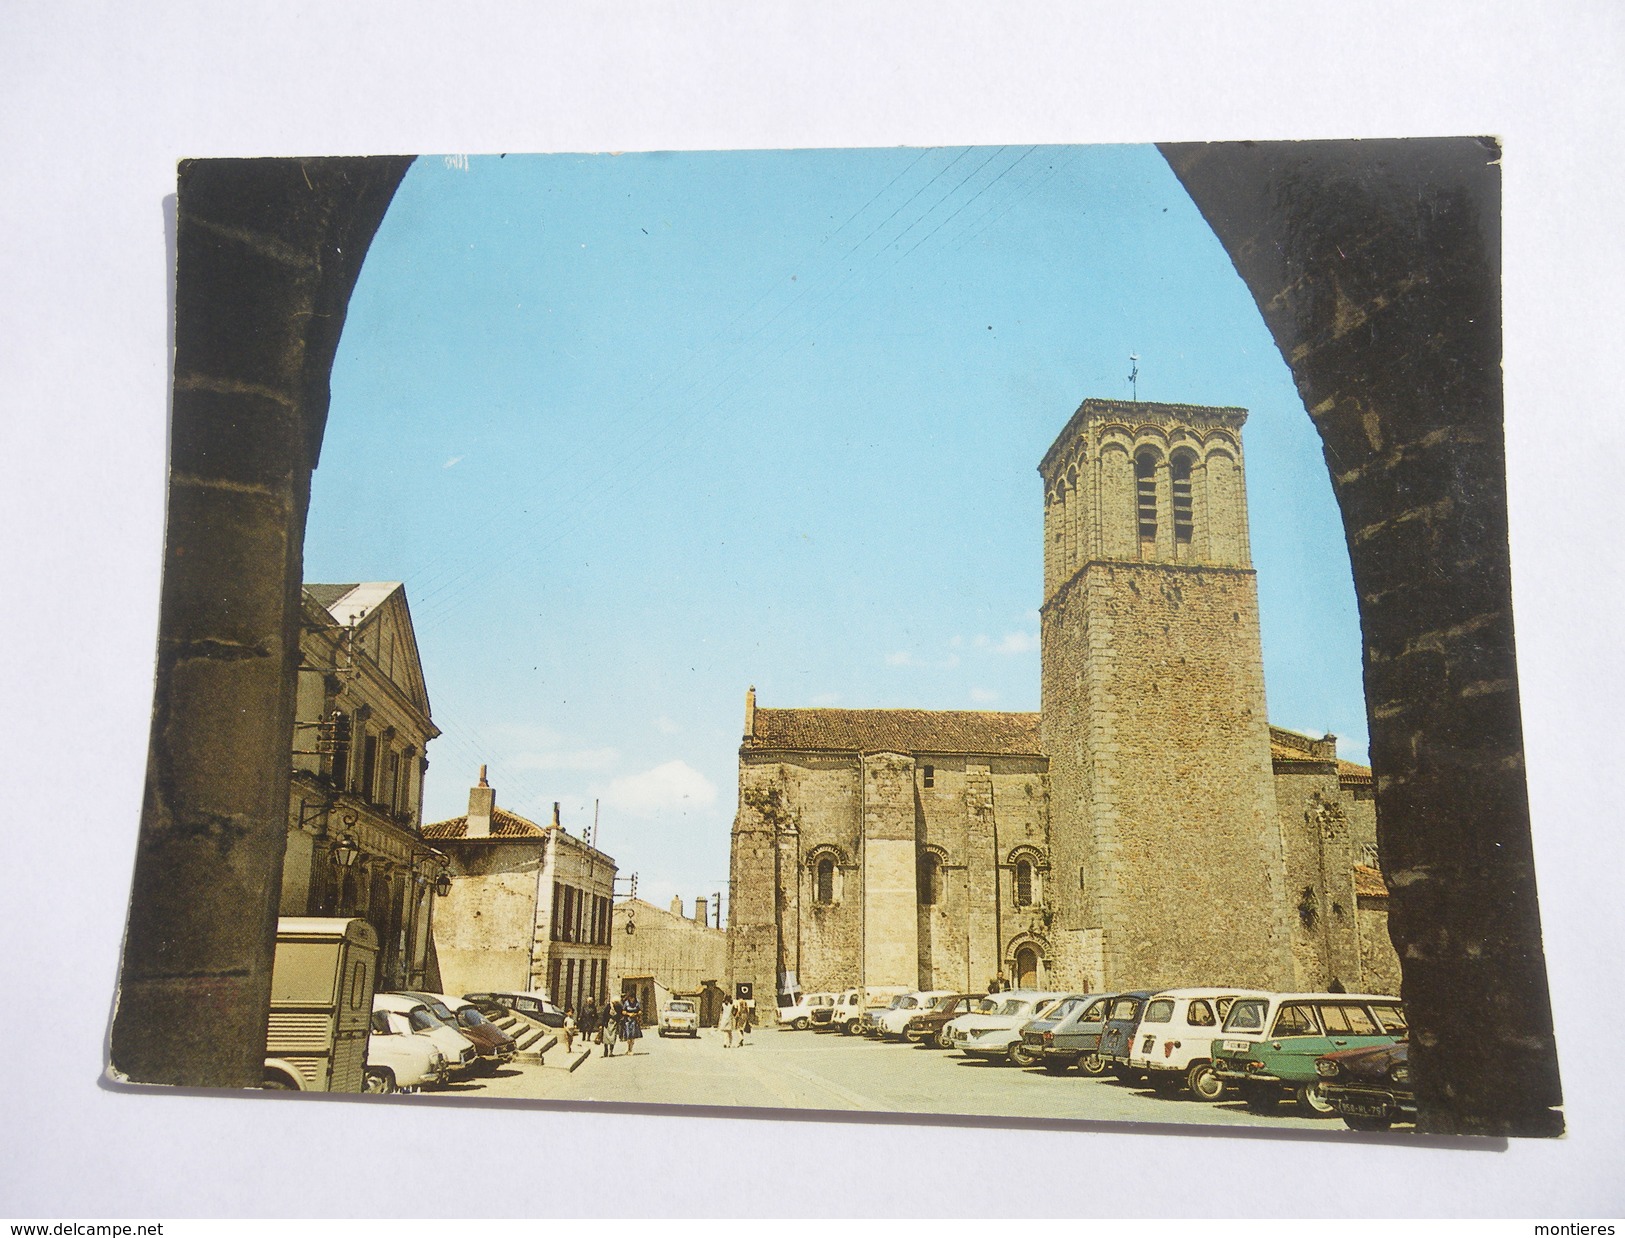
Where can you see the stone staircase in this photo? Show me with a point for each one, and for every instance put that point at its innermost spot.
(532, 1039)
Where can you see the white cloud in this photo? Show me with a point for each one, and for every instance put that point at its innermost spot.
(666, 726)
(674, 787)
(518, 746)
(983, 696)
(1019, 642)
(451, 462)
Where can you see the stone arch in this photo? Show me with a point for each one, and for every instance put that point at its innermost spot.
(1397, 357)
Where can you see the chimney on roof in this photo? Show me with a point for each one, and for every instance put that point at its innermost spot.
(750, 711)
(481, 801)
(677, 905)
(699, 912)
(555, 814)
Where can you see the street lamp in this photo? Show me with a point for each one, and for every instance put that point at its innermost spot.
(442, 883)
(346, 852)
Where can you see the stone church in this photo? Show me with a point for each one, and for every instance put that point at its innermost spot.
(1147, 827)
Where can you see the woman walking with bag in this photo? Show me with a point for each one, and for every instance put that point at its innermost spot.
(631, 1023)
(612, 1027)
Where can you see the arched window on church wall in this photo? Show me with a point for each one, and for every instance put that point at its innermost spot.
(1179, 472)
(824, 881)
(1145, 502)
(1024, 883)
(928, 878)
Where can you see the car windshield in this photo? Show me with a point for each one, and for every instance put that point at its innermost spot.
(1126, 1008)
(442, 1012)
(1392, 1017)
(469, 1017)
(987, 1005)
(1247, 1015)
(1016, 1005)
(1063, 1008)
(421, 1020)
(680, 1008)
(948, 1003)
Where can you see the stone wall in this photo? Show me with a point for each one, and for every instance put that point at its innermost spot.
(1159, 753)
(483, 927)
(678, 953)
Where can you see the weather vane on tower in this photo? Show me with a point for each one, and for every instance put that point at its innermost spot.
(1134, 376)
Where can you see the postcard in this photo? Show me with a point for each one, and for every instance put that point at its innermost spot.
(1012, 632)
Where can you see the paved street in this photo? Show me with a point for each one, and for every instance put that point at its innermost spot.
(811, 1070)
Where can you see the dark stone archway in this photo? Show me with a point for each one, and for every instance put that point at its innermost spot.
(1376, 266)
(267, 253)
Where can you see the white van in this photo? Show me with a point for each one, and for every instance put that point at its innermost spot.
(1174, 1042)
(847, 1010)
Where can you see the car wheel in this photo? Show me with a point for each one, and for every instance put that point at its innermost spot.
(1362, 1122)
(1204, 1082)
(1260, 1099)
(942, 1040)
(1313, 1101)
(1020, 1055)
(850, 1027)
(276, 1081)
(378, 1081)
(1056, 1065)
(802, 1024)
(1092, 1064)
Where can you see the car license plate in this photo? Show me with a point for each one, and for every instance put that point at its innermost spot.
(1237, 1046)
(1364, 1108)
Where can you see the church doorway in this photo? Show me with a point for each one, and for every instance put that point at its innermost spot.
(1026, 968)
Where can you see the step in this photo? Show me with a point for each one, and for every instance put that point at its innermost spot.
(533, 1050)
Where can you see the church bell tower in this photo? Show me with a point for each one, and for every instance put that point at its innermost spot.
(1166, 848)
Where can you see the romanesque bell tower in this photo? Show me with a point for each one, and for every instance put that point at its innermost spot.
(1166, 849)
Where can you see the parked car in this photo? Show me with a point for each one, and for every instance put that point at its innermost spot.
(845, 1013)
(398, 1059)
(681, 1017)
(461, 1055)
(802, 1013)
(926, 1027)
(493, 1045)
(532, 1005)
(1069, 1034)
(877, 998)
(892, 1022)
(1173, 1048)
(1268, 1046)
(1117, 1036)
(997, 1034)
(824, 1016)
(1371, 1087)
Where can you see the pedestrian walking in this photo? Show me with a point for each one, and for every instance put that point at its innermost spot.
(612, 1028)
(742, 1022)
(725, 1022)
(569, 1028)
(631, 1023)
(589, 1022)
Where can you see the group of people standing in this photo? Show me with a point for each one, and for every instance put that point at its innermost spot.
(620, 1020)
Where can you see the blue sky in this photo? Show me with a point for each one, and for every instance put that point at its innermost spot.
(640, 430)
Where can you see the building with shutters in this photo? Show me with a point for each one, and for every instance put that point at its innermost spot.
(362, 728)
(529, 908)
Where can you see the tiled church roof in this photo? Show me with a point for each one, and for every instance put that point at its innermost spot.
(504, 824)
(1368, 882)
(897, 730)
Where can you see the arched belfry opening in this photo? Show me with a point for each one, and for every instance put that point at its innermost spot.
(1408, 404)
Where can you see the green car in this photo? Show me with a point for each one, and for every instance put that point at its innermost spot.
(1268, 1046)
